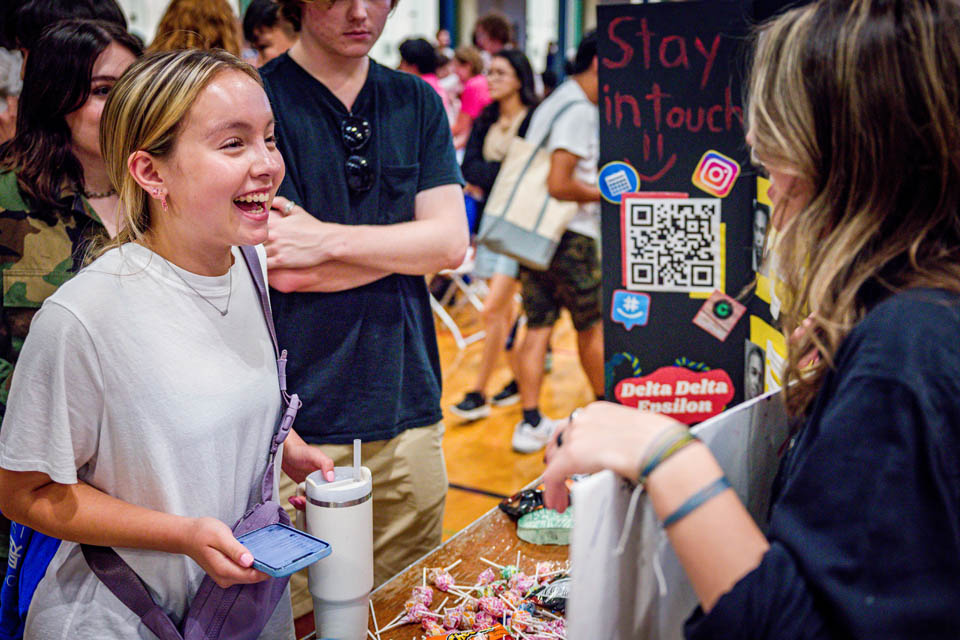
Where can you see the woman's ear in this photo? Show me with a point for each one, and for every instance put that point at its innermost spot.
(145, 170)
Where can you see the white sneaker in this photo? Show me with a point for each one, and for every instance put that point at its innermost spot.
(528, 438)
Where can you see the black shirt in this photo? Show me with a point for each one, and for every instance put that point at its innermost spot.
(364, 361)
(865, 530)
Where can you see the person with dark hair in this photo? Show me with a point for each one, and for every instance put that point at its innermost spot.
(28, 20)
(55, 195)
(418, 57)
(267, 31)
(493, 32)
(372, 202)
(854, 112)
(511, 83)
(568, 121)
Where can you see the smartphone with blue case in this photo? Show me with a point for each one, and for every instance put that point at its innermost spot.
(280, 550)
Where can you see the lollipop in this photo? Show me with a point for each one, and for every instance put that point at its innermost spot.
(452, 617)
(468, 619)
(521, 620)
(512, 598)
(442, 579)
(486, 576)
(432, 628)
(509, 571)
(522, 583)
(483, 621)
(418, 612)
(493, 606)
(423, 594)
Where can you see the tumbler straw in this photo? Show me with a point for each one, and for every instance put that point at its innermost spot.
(356, 460)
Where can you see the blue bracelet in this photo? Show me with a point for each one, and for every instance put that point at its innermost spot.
(715, 488)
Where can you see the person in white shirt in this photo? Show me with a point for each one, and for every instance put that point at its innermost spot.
(142, 409)
(569, 121)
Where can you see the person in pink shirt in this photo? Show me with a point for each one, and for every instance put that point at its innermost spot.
(418, 57)
(468, 65)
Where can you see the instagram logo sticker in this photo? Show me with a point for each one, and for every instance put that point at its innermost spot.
(716, 173)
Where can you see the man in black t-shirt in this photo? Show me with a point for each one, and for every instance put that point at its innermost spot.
(378, 204)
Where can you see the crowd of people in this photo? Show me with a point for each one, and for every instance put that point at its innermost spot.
(138, 373)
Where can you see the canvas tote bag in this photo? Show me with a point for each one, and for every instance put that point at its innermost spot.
(521, 220)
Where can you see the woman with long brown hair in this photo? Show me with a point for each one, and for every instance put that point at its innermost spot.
(198, 24)
(855, 113)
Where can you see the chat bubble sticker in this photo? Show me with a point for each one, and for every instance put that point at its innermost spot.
(629, 308)
(719, 315)
(716, 174)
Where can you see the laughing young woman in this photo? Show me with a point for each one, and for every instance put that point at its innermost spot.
(854, 112)
(146, 397)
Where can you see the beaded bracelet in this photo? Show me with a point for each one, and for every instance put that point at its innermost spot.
(715, 488)
(669, 443)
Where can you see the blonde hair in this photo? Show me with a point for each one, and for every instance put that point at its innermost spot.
(468, 54)
(198, 24)
(143, 112)
(862, 99)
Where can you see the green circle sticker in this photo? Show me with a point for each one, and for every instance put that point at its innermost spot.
(722, 309)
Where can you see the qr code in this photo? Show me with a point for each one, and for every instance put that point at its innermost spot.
(672, 244)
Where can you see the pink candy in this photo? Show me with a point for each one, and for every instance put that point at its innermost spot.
(521, 620)
(432, 628)
(512, 598)
(418, 612)
(468, 619)
(486, 576)
(493, 606)
(442, 580)
(522, 582)
(483, 621)
(423, 594)
(452, 617)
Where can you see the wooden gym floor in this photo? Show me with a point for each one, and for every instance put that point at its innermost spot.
(480, 462)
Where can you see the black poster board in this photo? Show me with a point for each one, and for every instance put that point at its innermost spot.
(671, 91)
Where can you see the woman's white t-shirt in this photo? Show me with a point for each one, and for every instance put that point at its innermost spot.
(131, 382)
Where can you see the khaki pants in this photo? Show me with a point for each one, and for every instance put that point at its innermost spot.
(409, 491)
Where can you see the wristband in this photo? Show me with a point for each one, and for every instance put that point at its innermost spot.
(674, 441)
(713, 489)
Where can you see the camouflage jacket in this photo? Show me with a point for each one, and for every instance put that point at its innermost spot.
(39, 251)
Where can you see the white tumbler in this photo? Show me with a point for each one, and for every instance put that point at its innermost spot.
(341, 513)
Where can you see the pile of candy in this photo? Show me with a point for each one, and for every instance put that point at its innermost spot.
(502, 603)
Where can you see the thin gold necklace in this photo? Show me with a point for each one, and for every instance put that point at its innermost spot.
(223, 311)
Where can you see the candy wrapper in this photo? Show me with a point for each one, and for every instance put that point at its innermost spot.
(442, 580)
(483, 621)
(494, 632)
(553, 596)
(487, 576)
(423, 594)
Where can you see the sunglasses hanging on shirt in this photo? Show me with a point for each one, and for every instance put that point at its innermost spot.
(356, 133)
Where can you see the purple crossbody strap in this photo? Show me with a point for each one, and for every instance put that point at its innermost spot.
(129, 589)
(292, 402)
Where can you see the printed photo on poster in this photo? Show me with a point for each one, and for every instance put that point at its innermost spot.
(754, 370)
(761, 221)
(671, 245)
